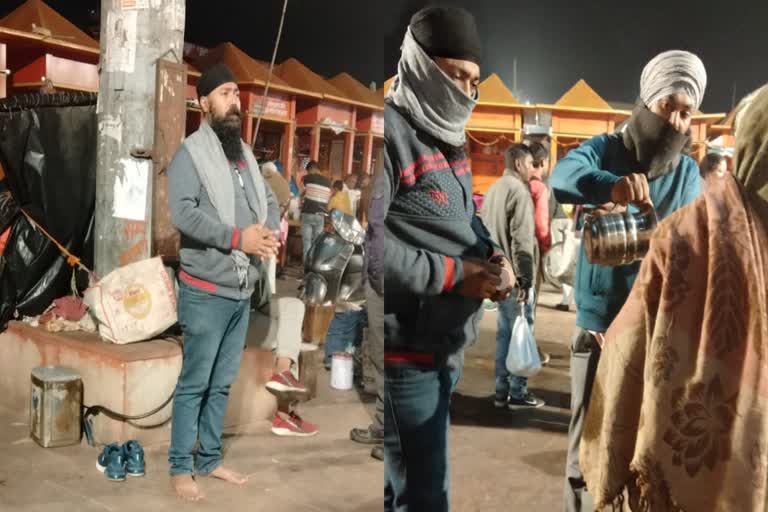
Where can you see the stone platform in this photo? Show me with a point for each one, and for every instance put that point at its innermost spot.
(131, 379)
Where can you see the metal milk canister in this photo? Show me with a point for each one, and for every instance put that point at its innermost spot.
(56, 406)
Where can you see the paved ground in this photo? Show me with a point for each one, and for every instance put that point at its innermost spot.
(319, 474)
(503, 460)
(500, 460)
(325, 473)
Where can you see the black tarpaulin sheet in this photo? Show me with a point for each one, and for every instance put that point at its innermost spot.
(8, 207)
(48, 152)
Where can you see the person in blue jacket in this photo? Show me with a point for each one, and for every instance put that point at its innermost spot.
(645, 164)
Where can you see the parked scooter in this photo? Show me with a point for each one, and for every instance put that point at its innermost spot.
(333, 272)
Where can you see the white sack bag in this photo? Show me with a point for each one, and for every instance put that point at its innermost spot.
(133, 303)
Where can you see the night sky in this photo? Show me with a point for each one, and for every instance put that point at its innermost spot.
(555, 42)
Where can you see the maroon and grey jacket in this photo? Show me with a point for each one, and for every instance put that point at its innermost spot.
(431, 224)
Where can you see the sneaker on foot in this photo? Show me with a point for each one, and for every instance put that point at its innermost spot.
(378, 452)
(292, 425)
(370, 435)
(287, 387)
(500, 401)
(133, 454)
(112, 463)
(528, 400)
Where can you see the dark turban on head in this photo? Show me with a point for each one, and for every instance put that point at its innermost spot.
(448, 32)
(214, 77)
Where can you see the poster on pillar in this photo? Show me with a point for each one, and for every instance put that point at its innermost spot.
(130, 192)
(121, 28)
(134, 4)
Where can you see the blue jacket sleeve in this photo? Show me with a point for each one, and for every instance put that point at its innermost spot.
(578, 179)
(407, 269)
(693, 186)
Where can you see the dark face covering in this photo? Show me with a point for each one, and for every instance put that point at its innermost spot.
(654, 143)
(228, 129)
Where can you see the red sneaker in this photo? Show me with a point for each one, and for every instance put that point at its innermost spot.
(287, 387)
(292, 425)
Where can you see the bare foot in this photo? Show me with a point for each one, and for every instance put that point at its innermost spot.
(228, 475)
(186, 488)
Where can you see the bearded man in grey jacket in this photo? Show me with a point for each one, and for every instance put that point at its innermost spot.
(227, 217)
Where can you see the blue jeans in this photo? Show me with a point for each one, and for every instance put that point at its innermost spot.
(346, 330)
(311, 227)
(214, 331)
(509, 310)
(416, 404)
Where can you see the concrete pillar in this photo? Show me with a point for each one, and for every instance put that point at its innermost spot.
(349, 153)
(3, 75)
(314, 143)
(133, 39)
(349, 145)
(289, 141)
(247, 101)
(553, 152)
(367, 152)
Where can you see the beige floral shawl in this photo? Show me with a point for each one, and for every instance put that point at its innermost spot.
(678, 418)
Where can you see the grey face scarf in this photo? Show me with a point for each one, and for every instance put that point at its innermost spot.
(432, 100)
(213, 168)
(654, 143)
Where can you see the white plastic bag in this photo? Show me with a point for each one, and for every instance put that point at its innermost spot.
(133, 303)
(523, 357)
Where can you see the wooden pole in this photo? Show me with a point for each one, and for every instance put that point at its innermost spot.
(133, 39)
(264, 99)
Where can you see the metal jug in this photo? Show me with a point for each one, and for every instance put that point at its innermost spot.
(614, 239)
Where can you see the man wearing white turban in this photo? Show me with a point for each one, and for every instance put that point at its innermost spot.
(645, 164)
(673, 72)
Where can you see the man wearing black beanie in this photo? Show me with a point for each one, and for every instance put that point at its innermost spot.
(440, 260)
(227, 217)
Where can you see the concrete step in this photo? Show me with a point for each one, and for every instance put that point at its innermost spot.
(131, 379)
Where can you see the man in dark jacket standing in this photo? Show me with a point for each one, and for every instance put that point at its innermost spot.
(437, 268)
(374, 288)
(508, 212)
